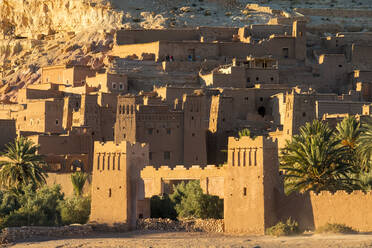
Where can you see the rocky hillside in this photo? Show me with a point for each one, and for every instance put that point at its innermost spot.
(35, 33)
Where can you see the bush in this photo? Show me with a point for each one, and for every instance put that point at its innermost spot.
(75, 210)
(284, 229)
(162, 207)
(335, 228)
(31, 208)
(190, 201)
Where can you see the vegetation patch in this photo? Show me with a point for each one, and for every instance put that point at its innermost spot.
(290, 227)
(187, 201)
(336, 228)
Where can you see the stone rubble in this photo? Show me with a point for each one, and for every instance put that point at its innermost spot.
(188, 225)
(12, 234)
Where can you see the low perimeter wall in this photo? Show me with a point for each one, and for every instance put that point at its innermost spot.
(12, 234)
(192, 225)
(352, 209)
(312, 211)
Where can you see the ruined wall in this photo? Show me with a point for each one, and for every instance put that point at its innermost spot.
(211, 178)
(64, 179)
(135, 51)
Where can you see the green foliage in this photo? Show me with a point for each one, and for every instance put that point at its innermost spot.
(246, 132)
(37, 208)
(42, 207)
(335, 228)
(78, 180)
(364, 146)
(162, 207)
(75, 210)
(21, 165)
(315, 160)
(284, 228)
(187, 201)
(190, 201)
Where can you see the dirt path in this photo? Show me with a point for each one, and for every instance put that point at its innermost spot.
(182, 239)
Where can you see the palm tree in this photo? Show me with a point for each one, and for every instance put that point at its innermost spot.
(364, 146)
(20, 165)
(78, 180)
(314, 161)
(348, 132)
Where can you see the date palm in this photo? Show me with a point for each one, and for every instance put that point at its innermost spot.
(78, 180)
(365, 144)
(314, 160)
(20, 165)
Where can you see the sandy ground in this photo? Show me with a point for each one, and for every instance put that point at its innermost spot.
(182, 239)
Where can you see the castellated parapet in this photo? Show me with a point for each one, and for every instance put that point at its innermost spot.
(156, 181)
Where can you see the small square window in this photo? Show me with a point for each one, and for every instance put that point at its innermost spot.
(167, 155)
(121, 86)
(57, 122)
(114, 85)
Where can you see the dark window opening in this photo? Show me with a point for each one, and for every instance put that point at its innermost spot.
(192, 117)
(57, 122)
(150, 155)
(261, 111)
(272, 79)
(257, 78)
(261, 99)
(167, 155)
(285, 52)
(150, 131)
(303, 114)
(245, 191)
(193, 134)
(109, 192)
(340, 66)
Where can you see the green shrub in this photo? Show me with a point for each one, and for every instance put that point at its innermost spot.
(75, 210)
(246, 132)
(284, 228)
(31, 208)
(190, 201)
(162, 207)
(335, 228)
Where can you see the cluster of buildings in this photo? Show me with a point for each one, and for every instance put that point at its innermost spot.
(145, 122)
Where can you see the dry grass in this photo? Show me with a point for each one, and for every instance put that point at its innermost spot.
(336, 229)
